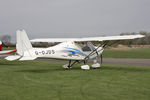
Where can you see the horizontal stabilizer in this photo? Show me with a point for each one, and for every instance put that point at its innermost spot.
(11, 58)
(27, 58)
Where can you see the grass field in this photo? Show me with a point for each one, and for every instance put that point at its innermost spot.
(130, 53)
(38, 80)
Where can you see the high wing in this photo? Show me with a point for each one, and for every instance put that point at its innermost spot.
(107, 38)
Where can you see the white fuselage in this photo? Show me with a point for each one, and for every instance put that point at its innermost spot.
(65, 50)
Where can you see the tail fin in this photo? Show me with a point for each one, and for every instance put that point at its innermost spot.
(23, 47)
(0, 46)
(23, 43)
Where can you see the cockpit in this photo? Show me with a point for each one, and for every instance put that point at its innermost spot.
(86, 48)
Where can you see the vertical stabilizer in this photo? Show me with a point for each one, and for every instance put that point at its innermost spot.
(0, 46)
(23, 43)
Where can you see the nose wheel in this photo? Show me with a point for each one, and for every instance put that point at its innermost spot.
(95, 64)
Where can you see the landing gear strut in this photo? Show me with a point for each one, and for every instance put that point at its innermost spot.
(68, 66)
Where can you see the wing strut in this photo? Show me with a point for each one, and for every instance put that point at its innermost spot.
(95, 50)
(104, 45)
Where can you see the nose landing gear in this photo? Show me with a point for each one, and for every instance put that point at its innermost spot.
(95, 64)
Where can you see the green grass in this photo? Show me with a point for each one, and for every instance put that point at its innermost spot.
(37, 80)
(130, 53)
(8, 48)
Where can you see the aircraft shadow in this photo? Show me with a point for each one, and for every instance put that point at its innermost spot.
(127, 69)
(46, 70)
(8, 64)
(36, 71)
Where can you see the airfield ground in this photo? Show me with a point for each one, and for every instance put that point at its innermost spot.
(43, 80)
(138, 53)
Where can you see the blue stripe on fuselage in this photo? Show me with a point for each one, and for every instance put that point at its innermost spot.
(76, 51)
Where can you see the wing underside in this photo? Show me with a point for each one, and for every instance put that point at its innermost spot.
(107, 38)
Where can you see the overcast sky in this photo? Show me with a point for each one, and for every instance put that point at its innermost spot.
(74, 18)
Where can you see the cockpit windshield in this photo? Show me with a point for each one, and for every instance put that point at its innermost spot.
(86, 48)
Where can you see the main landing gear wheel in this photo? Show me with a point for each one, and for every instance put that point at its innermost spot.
(85, 67)
(66, 66)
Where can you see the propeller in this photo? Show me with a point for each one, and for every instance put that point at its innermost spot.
(4, 45)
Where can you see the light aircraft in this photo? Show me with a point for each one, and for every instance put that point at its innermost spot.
(5, 51)
(74, 50)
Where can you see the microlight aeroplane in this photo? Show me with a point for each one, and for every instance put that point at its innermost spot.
(74, 50)
(5, 51)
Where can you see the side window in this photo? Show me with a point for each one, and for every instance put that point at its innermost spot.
(86, 48)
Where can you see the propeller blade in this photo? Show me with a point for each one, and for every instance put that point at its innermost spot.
(4, 45)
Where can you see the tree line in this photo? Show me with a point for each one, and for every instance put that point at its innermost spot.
(141, 41)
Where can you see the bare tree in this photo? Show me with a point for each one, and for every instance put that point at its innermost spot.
(6, 39)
